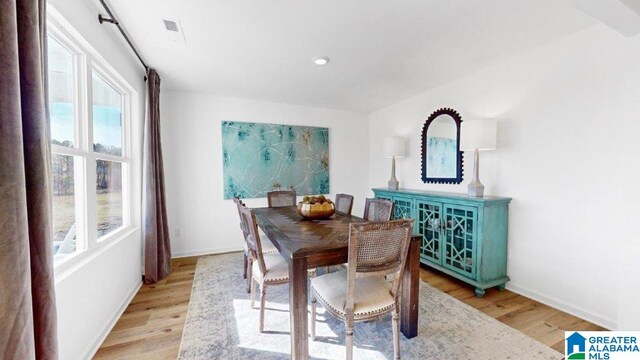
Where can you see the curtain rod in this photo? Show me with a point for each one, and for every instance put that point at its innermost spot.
(112, 20)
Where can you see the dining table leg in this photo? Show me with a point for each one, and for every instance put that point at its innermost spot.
(298, 308)
(410, 291)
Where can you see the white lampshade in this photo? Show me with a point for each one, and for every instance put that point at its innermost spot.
(478, 134)
(393, 146)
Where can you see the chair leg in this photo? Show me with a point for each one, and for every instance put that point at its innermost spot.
(253, 292)
(263, 298)
(244, 271)
(313, 315)
(348, 339)
(396, 335)
(249, 274)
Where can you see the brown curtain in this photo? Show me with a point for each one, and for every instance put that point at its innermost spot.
(27, 298)
(157, 246)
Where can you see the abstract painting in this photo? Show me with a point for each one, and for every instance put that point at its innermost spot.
(441, 157)
(258, 158)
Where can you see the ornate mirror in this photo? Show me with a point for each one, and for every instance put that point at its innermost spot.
(441, 155)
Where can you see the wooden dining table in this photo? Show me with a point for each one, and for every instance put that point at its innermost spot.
(308, 244)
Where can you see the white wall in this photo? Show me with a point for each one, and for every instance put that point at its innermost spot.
(200, 220)
(92, 293)
(568, 133)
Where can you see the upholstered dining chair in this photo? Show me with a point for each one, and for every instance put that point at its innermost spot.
(361, 293)
(281, 198)
(378, 210)
(266, 269)
(344, 203)
(267, 245)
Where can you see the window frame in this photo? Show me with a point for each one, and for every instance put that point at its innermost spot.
(86, 62)
(123, 159)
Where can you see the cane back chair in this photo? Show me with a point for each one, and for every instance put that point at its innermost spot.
(267, 245)
(344, 203)
(361, 293)
(378, 210)
(266, 269)
(281, 198)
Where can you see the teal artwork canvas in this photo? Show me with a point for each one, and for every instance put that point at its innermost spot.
(258, 158)
(441, 157)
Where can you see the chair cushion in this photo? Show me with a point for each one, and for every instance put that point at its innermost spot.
(267, 245)
(277, 268)
(372, 294)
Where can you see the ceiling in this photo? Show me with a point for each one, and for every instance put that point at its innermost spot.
(381, 51)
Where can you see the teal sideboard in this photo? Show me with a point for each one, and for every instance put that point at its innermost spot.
(463, 236)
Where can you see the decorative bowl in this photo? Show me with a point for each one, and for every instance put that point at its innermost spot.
(316, 211)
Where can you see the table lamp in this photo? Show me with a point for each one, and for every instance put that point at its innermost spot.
(478, 135)
(393, 147)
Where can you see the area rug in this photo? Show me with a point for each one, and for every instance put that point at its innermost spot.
(220, 324)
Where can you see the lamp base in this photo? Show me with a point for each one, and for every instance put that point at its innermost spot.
(475, 189)
(393, 182)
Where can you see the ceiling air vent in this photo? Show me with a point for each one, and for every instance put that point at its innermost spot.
(171, 25)
(173, 30)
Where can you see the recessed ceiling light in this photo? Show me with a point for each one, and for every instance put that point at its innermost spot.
(323, 60)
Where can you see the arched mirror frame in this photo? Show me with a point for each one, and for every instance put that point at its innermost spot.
(458, 120)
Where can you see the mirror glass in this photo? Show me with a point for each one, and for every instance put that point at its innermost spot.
(441, 155)
(442, 147)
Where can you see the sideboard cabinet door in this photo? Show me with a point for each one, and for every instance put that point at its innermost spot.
(459, 239)
(402, 208)
(429, 225)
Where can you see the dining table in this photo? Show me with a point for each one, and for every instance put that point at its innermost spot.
(309, 244)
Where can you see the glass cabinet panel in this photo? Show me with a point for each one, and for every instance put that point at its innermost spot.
(459, 245)
(428, 225)
(402, 208)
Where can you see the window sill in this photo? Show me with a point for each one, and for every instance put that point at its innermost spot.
(69, 265)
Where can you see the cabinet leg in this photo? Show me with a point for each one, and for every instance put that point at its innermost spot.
(501, 286)
(479, 292)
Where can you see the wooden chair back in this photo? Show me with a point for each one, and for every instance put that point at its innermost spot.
(239, 205)
(253, 238)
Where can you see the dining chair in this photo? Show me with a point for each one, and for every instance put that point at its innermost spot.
(344, 203)
(267, 245)
(378, 210)
(375, 210)
(266, 269)
(361, 292)
(281, 198)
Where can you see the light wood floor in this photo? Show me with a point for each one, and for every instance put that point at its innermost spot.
(151, 327)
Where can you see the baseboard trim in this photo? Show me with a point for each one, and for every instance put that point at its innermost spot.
(561, 305)
(91, 352)
(211, 251)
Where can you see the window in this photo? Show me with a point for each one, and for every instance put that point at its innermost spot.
(107, 104)
(63, 106)
(107, 117)
(90, 115)
(62, 91)
(109, 196)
